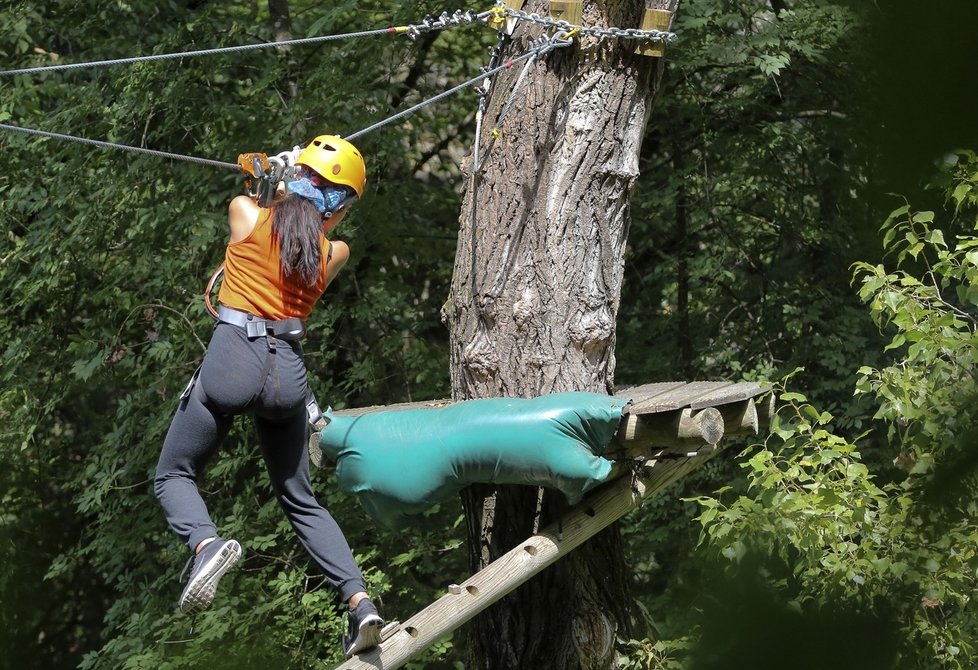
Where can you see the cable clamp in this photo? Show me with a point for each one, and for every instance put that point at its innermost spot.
(497, 17)
(559, 39)
(283, 166)
(259, 174)
(444, 20)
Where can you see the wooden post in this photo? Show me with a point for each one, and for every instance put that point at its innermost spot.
(766, 410)
(673, 429)
(567, 10)
(740, 418)
(469, 598)
(654, 19)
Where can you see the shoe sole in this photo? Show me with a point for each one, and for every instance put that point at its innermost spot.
(368, 636)
(200, 592)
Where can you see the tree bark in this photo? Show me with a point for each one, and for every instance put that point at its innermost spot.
(532, 310)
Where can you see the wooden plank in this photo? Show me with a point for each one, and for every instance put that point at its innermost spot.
(766, 409)
(464, 601)
(644, 392)
(676, 398)
(424, 404)
(732, 393)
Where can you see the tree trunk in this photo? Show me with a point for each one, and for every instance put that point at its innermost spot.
(533, 306)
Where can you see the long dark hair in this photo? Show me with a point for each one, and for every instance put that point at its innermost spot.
(299, 227)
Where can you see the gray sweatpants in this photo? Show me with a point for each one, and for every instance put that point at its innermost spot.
(265, 377)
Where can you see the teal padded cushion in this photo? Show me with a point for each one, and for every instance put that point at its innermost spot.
(399, 463)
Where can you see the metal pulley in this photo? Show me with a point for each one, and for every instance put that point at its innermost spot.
(259, 180)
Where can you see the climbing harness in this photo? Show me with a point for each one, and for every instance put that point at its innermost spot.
(285, 329)
(290, 330)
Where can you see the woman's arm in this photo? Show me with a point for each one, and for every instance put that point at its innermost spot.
(242, 217)
(340, 255)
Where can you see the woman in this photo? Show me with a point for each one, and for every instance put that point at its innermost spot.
(277, 265)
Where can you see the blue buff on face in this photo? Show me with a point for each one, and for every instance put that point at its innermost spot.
(304, 189)
(325, 198)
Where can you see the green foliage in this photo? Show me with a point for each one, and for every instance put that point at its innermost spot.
(750, 208)
(907, 549)
(102, 261)
(647, 655)
(749, 212)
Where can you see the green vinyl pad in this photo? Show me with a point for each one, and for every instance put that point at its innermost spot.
(400, 463)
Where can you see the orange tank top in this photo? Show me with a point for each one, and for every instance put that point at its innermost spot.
(253, 280)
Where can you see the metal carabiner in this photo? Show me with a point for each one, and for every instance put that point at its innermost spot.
(561, 38)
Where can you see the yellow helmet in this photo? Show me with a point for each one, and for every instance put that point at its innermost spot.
(335, 160)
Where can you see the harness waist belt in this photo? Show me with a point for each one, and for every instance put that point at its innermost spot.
(255, 326)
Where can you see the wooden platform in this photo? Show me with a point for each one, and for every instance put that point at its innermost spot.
(667, 414)
(670, 428)
(666, 396)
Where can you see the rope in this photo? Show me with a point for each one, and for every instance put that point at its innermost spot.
(413, 31)
(483, 92)
(502, 115)
(124, 147)
(201, 52)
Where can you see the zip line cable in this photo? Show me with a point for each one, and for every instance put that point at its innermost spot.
(561, 38)
(201, 52)
(124, 147)
(429, 24)
(541, 47)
